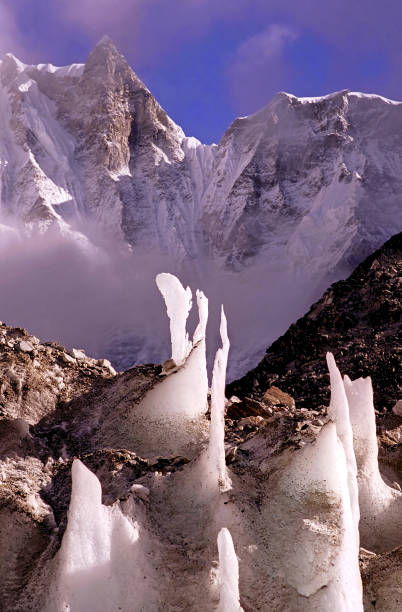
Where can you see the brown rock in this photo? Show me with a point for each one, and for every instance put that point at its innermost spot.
(276, 397)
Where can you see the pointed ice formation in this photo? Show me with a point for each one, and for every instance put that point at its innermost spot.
(170, 418)
(338, 411)
(216, 446)
(228, 574)
(178, 305)
(316, 547)
(201, 329)
(100, 565)
(319, 546)
(380, 505)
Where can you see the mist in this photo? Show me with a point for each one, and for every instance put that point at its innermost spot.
(110, 306)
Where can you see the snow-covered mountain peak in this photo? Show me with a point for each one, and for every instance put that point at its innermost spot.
(349, 94)
(10, 67)
(105, 59)
(106, 41)
(297, 193)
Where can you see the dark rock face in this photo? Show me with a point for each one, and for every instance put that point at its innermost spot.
(358, 320)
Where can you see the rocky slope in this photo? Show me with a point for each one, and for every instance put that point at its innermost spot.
(358, 320)
(289, 200)
(42, 387)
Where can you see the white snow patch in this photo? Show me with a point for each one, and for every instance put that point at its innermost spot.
(355, 94)
(358, 94)
(73, 70)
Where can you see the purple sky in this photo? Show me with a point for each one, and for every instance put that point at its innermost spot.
(208, 61)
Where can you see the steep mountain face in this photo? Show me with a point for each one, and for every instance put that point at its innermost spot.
(88, 147)
(95, 152)
(291, 199)
(295, 177)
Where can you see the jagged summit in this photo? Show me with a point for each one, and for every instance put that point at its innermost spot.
(106, 41)
(107, 61)
(106, 49)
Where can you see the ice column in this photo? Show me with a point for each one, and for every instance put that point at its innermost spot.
(338, 411)
(98, 559)
(319, 546)
(84, 544)
(182, 394)
(170, 418)
(216, 446)
(380, 505)
(178, 305)
(200, 331)
(228, 574)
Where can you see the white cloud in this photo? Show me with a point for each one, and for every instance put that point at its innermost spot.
(258, 69)
(9, 36)
(266, 45)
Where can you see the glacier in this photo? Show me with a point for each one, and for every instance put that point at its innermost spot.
(169, 543)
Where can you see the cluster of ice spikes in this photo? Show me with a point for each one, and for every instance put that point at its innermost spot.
(101, 544)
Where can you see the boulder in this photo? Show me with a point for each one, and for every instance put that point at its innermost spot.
(275, 397)
(397, 408)
(25, 347)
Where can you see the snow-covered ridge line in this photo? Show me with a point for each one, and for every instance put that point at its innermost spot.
(284, 95)
(347, 92)
(73, 70)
